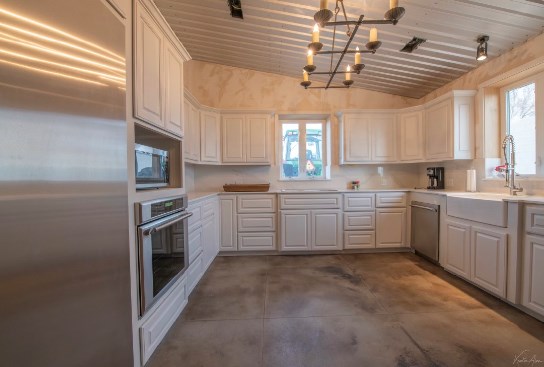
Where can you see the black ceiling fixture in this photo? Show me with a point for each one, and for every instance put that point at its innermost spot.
(481, 51)
(413, 44)
(235, 7)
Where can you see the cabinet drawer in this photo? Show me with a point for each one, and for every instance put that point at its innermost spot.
(257, 222)
(256, 203)
(154, 329)
(208, 208)
(257, 241)
(534, 219)
(391, 200)
(195, 244)
(195, 272)
(359, 240)
(194, 220)
(359, 221)
(359, 202)
(311, 201)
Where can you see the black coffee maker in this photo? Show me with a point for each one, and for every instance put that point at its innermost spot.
(436, 178)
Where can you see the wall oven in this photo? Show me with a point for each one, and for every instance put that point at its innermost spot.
(162, 227)
(152, 167)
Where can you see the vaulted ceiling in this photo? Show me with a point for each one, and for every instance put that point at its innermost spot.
(274, 35)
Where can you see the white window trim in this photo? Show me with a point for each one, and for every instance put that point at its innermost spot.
(538, 79)
(326, 147)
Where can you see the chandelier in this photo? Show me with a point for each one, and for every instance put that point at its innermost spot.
(322, 19)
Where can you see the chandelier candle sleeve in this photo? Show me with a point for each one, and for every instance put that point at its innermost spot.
(315, 33)
(323, 4)
(373, 35)
(348, 73)
(357, 56)
(393, 4)
(310, 58)
(305, 75)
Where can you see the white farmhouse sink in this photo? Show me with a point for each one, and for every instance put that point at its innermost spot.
(485, 208)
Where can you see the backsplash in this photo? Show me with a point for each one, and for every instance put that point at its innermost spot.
(212, 178)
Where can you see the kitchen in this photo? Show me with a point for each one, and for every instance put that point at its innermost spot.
(117, 258)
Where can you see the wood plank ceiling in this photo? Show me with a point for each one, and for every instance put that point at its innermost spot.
(274, 35)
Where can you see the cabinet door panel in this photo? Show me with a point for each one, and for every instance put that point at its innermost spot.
(359, 202)
(148, 69)
(390, 228)
(195, 134)
(357, 137)
(438, 131)
(533, 277)
(326, 230)
(257, 241)
(488, 259)
(384, 138)
(354, 240)
(210, 129)
(209, 238)
(265, 222)
(359, 221)
(187, 129)
(233, 139)
(257, 139)
(295, 230)
(457, 256)
(195, 244)
(257, 203)
(534, 219)
(411, 136)
(173, 80)
(227, 223)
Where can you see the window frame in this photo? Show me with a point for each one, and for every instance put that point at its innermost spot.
(538, 80)
(325, 154)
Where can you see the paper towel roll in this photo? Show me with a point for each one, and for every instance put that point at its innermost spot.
(471, 180)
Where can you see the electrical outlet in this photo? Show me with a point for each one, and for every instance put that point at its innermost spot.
(384, 181)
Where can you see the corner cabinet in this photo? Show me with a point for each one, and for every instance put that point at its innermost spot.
(412, 142)
(449, 127)
(158, 70)
(210, 137)
(246, 139)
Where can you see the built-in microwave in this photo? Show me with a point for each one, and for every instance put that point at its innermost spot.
(152, 169)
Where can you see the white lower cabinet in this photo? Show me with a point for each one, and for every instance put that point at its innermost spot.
(194, 273)
(311, 230)
(457, 257)
(477, 253)
(155, 327)
(326, 230)
(533, 274)
(195, 243)
(488, 259)
(227, 223)
(295, 230)
(210, 239)
(390, 228)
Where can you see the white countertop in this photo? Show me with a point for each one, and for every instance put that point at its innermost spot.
(530, 199)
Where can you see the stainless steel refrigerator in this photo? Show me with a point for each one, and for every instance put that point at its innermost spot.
(64, 260)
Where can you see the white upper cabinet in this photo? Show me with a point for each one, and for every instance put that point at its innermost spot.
(449, 127)
(384, 138)
(368, 137)
(210, 133)
(233, 138)
(192, 133)
(412, 140)
(356, 136)
(158, 70)
(174, 90)
(148, 93)
(245, 139)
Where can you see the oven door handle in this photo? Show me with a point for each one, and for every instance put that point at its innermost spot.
(150, 231)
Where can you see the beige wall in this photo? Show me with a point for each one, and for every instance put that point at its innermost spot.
(228, 87)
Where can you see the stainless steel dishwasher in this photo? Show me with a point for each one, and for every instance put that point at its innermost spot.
(425, 229)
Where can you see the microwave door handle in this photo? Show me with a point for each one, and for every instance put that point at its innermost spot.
(150, 231)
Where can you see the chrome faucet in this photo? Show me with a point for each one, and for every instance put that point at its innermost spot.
(509, 149)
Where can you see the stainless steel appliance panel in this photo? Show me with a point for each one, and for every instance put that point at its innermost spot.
(162, 246)
(64, 269)
(425, 229)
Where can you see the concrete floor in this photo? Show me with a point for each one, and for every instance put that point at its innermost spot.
(345, 310)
